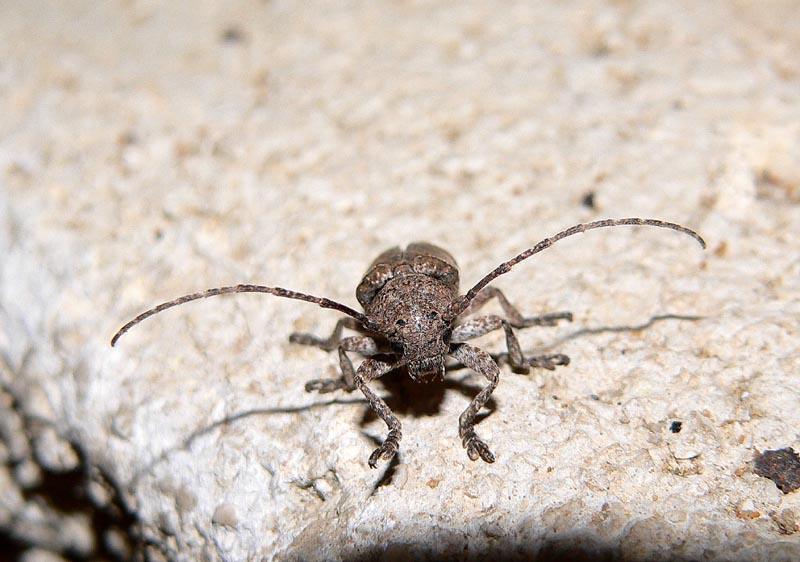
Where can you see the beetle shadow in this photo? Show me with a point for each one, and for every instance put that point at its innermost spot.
(409, 397)
(633, 328)
(406, 397)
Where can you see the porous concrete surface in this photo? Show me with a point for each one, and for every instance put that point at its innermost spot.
(150, 149)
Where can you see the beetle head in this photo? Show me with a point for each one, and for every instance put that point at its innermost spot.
(421, 339)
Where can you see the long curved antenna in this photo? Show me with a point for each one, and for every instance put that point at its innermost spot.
(458, 306)
(277, 291)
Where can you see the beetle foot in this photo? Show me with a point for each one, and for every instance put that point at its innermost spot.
(548, 362)
(476, 447)
(387, 450)
(324, 386)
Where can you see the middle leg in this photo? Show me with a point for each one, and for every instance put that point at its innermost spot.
(364, 345)
(485, 324)
(331, 342)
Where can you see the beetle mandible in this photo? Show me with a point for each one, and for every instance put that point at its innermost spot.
(411, 303)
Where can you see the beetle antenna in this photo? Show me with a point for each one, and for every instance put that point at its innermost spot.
(459, 305)
(277, 291)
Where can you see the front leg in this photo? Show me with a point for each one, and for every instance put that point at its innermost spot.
(483, 364)
(369, 370)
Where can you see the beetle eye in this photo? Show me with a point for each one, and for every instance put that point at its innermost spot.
(397, 348)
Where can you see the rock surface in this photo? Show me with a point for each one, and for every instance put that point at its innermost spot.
(151, 149)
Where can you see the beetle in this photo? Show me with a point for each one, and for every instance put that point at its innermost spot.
(411, 306)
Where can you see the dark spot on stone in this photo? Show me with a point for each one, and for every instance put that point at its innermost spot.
(782, 467)
(233, 34)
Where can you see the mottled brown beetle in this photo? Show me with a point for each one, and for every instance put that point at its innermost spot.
(411, 301)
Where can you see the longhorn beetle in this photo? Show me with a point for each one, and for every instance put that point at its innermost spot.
(411, 303)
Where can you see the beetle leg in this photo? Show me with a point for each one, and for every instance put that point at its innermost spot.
(485, 324)
(369, 370)
(515, 318)
(331, 342)
(364, 345)
(476, 327)
(482, 363)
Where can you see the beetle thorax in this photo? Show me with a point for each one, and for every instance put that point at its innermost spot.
(408, 310)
